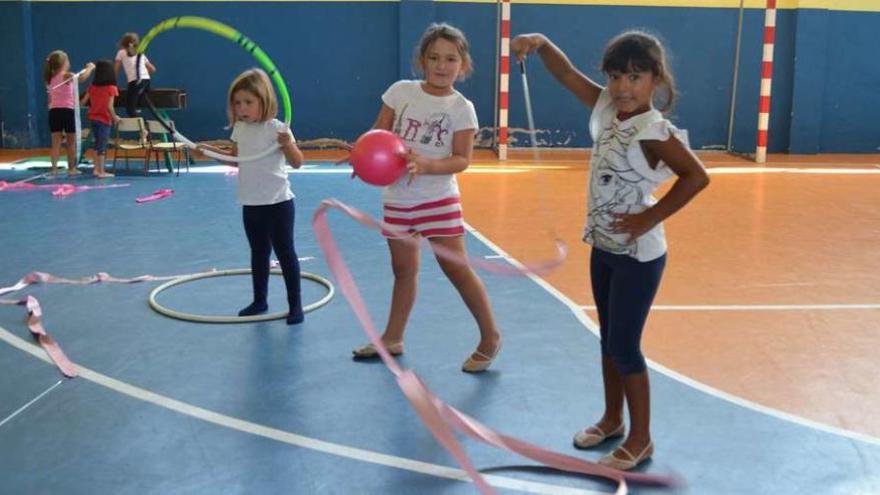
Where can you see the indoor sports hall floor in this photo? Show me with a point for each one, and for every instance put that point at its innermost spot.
(763, 341)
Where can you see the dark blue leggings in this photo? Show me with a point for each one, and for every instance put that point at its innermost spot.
(624, 288)
(268, 227)
(134, 97)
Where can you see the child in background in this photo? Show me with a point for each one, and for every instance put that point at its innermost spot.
(101, 96)
(62, 120)
(137, 72)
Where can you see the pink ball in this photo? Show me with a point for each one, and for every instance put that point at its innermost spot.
(378, 157)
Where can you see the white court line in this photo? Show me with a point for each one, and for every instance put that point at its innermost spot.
(344, 169)
(578, 312)
(753, 307)
(791, 170)
(292, 438)
(492, 169)
(29, 404)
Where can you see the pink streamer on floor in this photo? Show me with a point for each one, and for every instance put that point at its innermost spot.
(57, 190)
(440, 418)
(35, 311)
(35, 324)
(156, 196)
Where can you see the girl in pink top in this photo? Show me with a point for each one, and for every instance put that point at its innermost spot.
(59, 85)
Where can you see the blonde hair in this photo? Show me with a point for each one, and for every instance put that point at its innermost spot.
(451, 34)
(256, 82)
(53, 64)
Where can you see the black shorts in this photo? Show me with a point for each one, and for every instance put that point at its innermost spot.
(62, 120)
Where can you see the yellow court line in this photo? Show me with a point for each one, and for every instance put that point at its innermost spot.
(210, 1)
(845, 5)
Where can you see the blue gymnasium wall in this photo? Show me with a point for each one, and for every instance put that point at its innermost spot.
(18, 86)
(338, 57)
(837, 89)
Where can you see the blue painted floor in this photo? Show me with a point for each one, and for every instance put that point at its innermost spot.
(85, 438)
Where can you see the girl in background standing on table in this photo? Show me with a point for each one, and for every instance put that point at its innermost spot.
(137, 72)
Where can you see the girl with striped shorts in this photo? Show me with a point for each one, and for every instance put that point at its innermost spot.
(437, 124)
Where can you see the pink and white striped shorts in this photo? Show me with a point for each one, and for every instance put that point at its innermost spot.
(439, 218)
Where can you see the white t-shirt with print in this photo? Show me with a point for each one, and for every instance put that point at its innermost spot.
(128, 64)
(263, 181)
(622, 181)
(426, 124)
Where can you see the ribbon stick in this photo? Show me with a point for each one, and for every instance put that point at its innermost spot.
(77, 118)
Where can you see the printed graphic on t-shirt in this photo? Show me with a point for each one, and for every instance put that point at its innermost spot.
(613, 191)
(434, 130)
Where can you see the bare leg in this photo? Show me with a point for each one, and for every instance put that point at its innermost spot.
(614, 394)
(55, 151)
(71, 155)
(638, 401)
(405, 265)
(472, 292)
(99, 167)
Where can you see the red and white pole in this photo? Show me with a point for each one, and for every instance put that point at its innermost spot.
(766, 81)
(504, 80)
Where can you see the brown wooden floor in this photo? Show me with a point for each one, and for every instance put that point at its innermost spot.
(749, 239)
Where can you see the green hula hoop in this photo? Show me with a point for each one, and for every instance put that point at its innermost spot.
(180, 315)
(231, 34)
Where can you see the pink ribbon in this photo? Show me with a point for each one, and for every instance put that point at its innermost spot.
(35, 311)
(440, 418)
(540, 268)
(157, 195)
(58, 190)
(35, 324)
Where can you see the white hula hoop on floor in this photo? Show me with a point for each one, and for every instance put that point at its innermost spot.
(180, 315)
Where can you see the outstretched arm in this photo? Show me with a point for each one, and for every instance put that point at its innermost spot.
(558, 64)
(87, 71)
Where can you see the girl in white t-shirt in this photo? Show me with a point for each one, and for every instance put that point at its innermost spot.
(137, 72)
(635, 149)
(437, 124)
(263, 187)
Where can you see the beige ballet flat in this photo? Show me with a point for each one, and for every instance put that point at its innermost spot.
(369, 351)
(472, 365)
(592, 436)
(625, 464)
